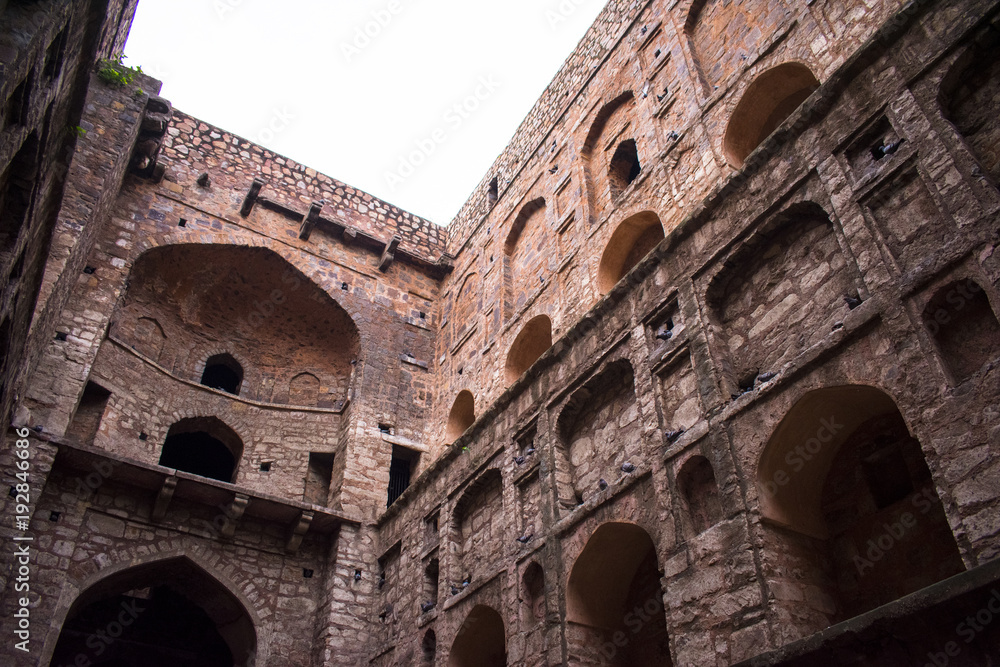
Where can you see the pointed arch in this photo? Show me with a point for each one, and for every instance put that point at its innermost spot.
(520, 222)
(617, 570)
(767, 102)
(461, 417)
(609, 132)
(481, 641)
(218, 626)
(840, 473)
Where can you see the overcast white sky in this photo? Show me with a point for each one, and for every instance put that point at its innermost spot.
(363, 90)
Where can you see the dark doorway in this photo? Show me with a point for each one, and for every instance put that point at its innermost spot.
(203, 446)
(223, 372)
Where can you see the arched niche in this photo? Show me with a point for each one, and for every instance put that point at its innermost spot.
(697, 484)
(964, 327)
(845, 493)
(525, 260)
(765, 105)
(633, 239)
(203, 446)
(170, 613)
(481, 641)
(608, 139)
(461, 417)
(617, 571)
(531, 343)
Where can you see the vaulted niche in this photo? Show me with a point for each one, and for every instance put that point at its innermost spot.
(531, 343)
(164, 614)
(846, 496)
(250, 303)
(203, 446)
(461, 417)
(616, 575)
(765, 105)
(634, 238)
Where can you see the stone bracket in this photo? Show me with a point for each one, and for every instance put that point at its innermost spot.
(164, 497)
(234, 513)
(251, 197)
(299, 531)
(310, 220)
(389, 255)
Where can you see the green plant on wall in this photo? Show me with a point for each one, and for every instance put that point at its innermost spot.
(114, 72)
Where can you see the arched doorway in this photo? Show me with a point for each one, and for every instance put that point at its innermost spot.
(203, 446)
(481, 641)
(614, 601)
(224, 373)
(158, 615)
(846, 495)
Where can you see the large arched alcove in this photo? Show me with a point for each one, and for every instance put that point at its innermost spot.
(461, 417)
(240, 303)
(481, 641)
(846, 495)
(160, 614)
(617, 572)
(634, 238)
(203, 446)
(765, 105)
(533, 341)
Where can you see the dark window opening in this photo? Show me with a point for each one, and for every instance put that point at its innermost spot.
(318, 479)
(624, 167)
(429, 646)
(494, 192)
(200, 454)
(402, 465)
(431, 582)
(87, 420)
(964, 327)
(164, 627)
(885, 471)
(182, 222)
(54, 56)
(16, 108)
(17, 187)
(224, 373)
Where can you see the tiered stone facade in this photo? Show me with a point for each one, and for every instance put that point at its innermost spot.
(709, 377)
